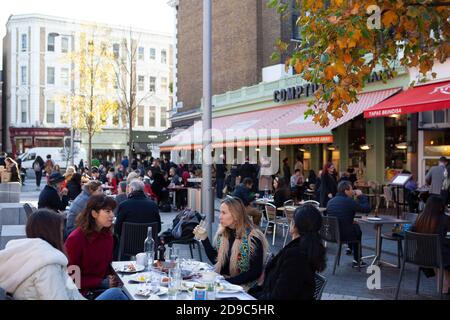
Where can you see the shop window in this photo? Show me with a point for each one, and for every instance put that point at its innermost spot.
(395, 137)
(437, 143)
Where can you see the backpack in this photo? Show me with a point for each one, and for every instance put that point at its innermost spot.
(37, 166)
(185, 223)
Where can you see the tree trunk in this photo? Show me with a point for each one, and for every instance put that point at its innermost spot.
(130, 138)
(90, 154)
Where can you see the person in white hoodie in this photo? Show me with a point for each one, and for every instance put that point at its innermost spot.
(35, 268)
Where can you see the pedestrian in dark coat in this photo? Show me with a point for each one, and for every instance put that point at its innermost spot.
(328, 184)
(50, 198)
(137, 209)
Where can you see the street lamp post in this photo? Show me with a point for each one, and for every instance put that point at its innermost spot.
(207, 191)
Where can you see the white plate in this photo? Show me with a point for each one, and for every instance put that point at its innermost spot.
(374, 219)
(230, 288)
(141, 278)
(125, 269)
(147, 293)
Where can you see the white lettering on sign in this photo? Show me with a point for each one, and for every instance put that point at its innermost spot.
(442, 89)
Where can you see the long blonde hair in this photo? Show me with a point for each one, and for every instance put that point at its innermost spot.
(243, 224)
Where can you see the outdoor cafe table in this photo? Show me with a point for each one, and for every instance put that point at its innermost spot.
(131, 288)
(378, 223)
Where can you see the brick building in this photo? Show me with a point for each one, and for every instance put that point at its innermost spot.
(244, 34)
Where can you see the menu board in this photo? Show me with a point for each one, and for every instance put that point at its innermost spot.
(401, 179)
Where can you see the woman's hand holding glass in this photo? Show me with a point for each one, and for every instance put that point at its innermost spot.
(200, 231)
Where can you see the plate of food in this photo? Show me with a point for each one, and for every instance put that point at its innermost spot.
(141, 279)
(228, 288)
(147, 292)
(131, 268)
(187, 286)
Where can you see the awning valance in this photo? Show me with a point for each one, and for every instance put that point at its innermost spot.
(275, 126)
(435, 96)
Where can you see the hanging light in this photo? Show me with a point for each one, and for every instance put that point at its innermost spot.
(302, 150)
(402, 146)
(257, 149)
(365, 147)
(278, 149)
(395, 116)
(332, 148)
(240, 149)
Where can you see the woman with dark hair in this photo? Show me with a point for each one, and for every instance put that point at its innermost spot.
(90, 246)
(35, 268)
(13, 169)
(74, 186)
(290, 274)
(328, 184)
(38, 167)
(282, 193)
(433, 220)
(239, 249)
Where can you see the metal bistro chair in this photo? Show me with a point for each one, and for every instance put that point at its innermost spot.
(424, 251)
(192, 243)
(312, 202)
(288, 203)
(28, 209)
(330, 233)
(272, 219)
(133, 237)
(289, 213)
(321, 282)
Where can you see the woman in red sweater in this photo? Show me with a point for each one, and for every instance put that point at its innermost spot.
(90, 246)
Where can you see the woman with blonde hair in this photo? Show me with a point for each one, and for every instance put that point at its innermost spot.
(240, 249)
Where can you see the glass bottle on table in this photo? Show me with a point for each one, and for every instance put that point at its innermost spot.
(149, 248)
(161, 250)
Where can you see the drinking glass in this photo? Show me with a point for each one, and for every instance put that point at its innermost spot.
(202, 229)
(174, 253)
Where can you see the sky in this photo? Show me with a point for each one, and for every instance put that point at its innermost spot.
(153, 15)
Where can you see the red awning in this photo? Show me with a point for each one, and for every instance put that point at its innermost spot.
(435, 96)
(253, 128)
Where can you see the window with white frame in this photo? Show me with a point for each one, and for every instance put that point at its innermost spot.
(163, 117)
(163, 56)
(51, 42)
(141, 53)
(24, 42)
(64, 44)
(141, 84)
(50, 114)
(116, 50)
(65, 77)
(152, 54)
(23, 75)
(50, 75)
(140, 117)
(23, 111)
(432, 118)
(152, 86)
(152, 117)
(164, 85)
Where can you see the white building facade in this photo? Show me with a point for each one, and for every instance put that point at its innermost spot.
(38, 73)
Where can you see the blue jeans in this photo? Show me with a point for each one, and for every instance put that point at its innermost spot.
(113, 294)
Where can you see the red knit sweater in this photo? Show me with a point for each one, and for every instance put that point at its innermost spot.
(93, 256)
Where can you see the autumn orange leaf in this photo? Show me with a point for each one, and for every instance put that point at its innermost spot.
(389, 19)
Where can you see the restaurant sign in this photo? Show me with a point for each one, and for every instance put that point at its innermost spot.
(307, 90)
